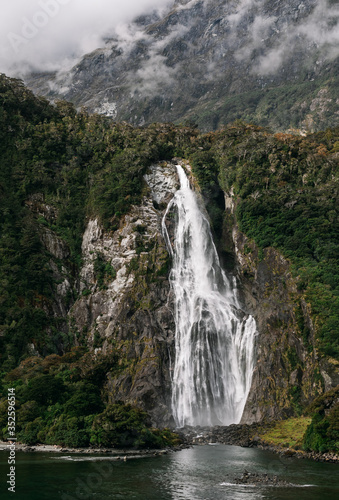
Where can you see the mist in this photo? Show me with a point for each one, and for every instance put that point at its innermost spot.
(315, 28)
(50, 35)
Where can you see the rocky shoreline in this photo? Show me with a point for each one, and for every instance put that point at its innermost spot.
(113, 453)
(252, 478)
(247, 436)
(236, 434)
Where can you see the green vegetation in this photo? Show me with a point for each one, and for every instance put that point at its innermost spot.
(124, 426)
(304, 104)
(322, 435)
(62, 400)
(287, 433)
(57, 169)
(205, 168)
(103, 271)
(287, 195)
(286, 189)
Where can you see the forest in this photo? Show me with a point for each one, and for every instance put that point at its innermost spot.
(286, 191)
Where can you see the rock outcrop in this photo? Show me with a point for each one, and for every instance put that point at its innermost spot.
(125, 298)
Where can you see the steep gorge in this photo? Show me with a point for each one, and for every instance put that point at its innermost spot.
(131, 307)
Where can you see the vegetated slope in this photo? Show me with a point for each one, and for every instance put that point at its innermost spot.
(323, 433)
(79, 165)
(287, 191)
(211, 62)
(58, 168)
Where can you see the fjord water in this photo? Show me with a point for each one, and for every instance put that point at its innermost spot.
(198, 473)
(214, 344)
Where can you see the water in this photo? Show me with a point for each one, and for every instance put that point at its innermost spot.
(199, 473)
(214, 343)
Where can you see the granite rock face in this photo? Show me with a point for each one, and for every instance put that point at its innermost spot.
(56, 306)
(132, 309)
(119, 299)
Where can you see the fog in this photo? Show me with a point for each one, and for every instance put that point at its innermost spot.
(46, 35)
(314, 28)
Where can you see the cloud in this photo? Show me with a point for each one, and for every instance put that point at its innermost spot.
(46, 35)
(184, 4)
(128, 35)
(259, 31)
(153, 76)
(154, 72)
(242, 10)
(312, 25)
(322, 27)
(318, 31)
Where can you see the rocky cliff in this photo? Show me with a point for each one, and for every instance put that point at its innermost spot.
(86, 312)
(124, 301)
(289, 372)
(120, 298)
(211, 62)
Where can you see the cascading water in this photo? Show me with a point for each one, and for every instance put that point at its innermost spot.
(214, 344)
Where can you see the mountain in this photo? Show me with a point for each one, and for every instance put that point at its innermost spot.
(210, 62)
(87, 328)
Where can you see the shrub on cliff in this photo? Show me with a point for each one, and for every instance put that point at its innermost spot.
(79, 166)
(66, 405)
(322, 434)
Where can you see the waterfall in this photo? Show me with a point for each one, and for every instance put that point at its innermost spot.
(214, 341)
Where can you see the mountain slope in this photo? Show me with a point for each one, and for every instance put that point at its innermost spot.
(211, 62)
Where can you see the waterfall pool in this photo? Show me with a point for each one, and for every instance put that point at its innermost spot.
(199, 473)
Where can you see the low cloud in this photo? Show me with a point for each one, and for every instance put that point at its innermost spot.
(311, 25)
(242, 10)
(46, 35)
(155, 73)
(153, 76)
(322, 27)
(259, 32)
(318, 31)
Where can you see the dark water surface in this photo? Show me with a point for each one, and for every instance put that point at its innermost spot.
(199, 473)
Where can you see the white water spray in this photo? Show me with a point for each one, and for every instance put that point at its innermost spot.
(214, 344)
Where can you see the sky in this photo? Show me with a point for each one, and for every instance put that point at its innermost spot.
(47, 35)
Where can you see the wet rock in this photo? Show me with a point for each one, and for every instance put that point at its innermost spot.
(236, 434)
(260, 479)
(53, 244)
(285, 374)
